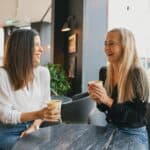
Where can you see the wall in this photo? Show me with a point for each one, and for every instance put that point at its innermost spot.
(91, 27)
(60, 14)
(45, 41)
(44, 29)
(76, 9)
(94, 30)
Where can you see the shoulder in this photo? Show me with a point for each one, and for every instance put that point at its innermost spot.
(42, 71)
(140, 82)
(3, 73)
(138, 73)
(103, 69)
(137, 69)
(102, 73)
(139, 77)
(4, 78)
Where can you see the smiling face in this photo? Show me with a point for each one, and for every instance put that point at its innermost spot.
(113, 47)
(37, 51)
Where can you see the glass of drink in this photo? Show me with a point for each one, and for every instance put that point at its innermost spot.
(56, 104)
(96, 82)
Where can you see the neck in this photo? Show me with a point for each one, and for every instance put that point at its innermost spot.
(115, 74)
(116, 68)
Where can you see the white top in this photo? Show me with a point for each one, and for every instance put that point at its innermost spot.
(33, 98)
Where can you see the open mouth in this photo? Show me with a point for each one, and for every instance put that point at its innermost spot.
(109, 55)
(38, 55)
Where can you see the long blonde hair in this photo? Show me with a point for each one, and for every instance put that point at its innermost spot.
(129, 62)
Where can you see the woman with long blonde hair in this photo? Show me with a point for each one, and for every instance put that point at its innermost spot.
(125, 91)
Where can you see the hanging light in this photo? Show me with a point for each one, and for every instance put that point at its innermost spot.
(65, 27)
(69, 24)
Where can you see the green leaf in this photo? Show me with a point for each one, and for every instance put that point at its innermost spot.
(59, 79)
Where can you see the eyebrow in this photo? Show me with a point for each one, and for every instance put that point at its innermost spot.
(111, 41)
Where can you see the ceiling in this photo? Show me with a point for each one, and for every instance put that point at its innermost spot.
(22, 12)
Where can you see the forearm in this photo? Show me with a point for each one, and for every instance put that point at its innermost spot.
(30, 116)
(37, 123)
(34, 126)
(102, 107)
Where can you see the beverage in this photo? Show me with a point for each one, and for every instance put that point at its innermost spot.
(96, 82)
(56, 105)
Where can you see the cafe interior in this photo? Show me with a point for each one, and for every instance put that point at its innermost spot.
(72, 33)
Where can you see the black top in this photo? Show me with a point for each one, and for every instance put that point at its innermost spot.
(128, 114)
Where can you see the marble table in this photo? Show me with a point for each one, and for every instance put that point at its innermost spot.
(64, 137)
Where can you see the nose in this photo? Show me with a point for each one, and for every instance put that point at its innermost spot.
(41, 49)
(107, 47)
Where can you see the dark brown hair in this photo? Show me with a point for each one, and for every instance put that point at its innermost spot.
(18, 58)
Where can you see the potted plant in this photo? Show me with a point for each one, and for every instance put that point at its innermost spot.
(59, 79)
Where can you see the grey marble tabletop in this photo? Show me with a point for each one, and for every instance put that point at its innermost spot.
(63, 137)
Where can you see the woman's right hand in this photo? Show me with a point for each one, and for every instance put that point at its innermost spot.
(51, 114)
(99, 95)
(91, 93)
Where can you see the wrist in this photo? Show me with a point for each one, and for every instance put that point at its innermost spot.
(36, 126)
(109, 102)
(39, 114)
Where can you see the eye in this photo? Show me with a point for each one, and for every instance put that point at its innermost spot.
(110, 43)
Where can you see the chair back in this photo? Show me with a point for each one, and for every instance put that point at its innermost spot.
(77, 111)
(148, 120)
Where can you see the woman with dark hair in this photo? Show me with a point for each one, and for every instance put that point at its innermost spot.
(24, 88)
(124, 93)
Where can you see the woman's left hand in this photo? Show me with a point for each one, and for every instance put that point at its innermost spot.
(100, 95)
(31, 129)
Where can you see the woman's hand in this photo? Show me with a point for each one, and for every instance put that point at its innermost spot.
(50, 113)
(99, 94)
(31, 129)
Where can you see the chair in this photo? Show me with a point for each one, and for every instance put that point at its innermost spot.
(64, 99)
(80, 95)
(148, 120)
(95, 116)
(77, 111)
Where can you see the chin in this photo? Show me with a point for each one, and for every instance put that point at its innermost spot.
(36, 64)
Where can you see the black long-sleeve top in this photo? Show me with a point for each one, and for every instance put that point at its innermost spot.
(128, 114)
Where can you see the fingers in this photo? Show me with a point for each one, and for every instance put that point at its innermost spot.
(52, 117)
(96, 93)
(50, 114)
(22, 135)
(95, 89)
